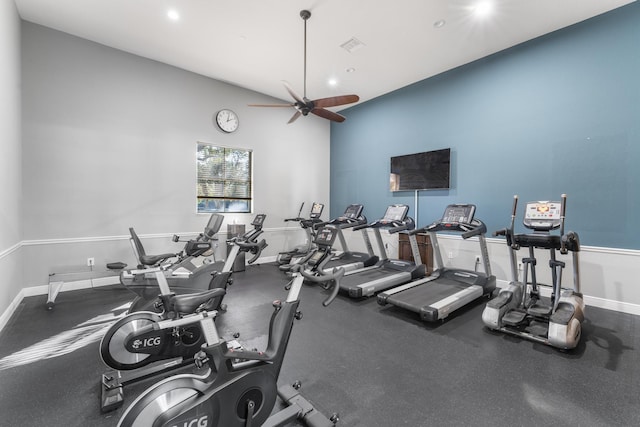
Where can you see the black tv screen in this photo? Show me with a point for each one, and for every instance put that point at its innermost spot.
(429, 170)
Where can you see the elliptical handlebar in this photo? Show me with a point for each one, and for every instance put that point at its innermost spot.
(511, 230)
(563, 207)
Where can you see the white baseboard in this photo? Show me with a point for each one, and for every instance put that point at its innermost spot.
(619, 306)
(4, 319)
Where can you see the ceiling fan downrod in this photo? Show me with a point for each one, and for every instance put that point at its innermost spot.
(305, 15)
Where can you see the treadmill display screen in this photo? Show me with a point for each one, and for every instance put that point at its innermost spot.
(461, 214)
(352, 212)
(396, 213)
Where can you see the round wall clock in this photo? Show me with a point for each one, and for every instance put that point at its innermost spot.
(227, 120)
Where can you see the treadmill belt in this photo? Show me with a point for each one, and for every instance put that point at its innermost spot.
(426, 294)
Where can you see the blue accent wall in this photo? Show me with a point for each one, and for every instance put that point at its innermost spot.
(558, 114)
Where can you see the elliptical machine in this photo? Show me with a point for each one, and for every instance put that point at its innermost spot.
(240, 388)
(519, 309)
(207, 276)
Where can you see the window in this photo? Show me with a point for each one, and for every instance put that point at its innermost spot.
(224, 179)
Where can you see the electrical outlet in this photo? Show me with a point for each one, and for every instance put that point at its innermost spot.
(91, 261)
(450, 255)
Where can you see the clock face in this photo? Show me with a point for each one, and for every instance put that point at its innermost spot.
(227, 121)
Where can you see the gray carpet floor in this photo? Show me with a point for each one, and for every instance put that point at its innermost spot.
(375, 366)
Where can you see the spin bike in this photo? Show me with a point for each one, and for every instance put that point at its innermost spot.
(240, 387)
(520, 309)
(151, 342)
(308, 225)
(207, 276)
(145, 343)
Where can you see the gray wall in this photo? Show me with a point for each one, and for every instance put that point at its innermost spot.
(10, 159)
(110, 139)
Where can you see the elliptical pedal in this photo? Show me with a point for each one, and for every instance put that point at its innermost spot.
(540, 310)
(540, 329)
(514, 317)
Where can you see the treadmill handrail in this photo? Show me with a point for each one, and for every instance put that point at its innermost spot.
(343, 222)
(393, 226)
(475, 228)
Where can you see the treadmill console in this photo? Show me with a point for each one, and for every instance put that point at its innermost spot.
(352, 212)
(395, 213)
(542, 216)
(458, 214)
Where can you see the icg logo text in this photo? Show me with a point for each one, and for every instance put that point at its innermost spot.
(196, 422)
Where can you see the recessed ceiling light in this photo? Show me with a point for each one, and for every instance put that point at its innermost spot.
(483, 8)
(439, 23)
(350, 70)
(332, 82)
(173, 15)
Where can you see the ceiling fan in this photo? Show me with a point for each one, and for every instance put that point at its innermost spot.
(304, 105)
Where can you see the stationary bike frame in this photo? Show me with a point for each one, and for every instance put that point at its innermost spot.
(144, 344)
(232, 393)
(204, 277)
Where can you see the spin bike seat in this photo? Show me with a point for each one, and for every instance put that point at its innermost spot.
(188, 303)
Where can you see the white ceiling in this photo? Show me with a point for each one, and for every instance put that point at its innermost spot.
(256, 44)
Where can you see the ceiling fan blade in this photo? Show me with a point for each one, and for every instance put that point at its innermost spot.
(294, 117)
(270, 105)
(291, 92)
(334, 101)
(326, 114)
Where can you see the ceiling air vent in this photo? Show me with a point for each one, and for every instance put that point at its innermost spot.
(352, 45)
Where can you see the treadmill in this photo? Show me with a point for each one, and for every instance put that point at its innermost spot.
(347, 259)
(386, 273)
(446, 289)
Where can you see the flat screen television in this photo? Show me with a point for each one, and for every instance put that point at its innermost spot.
(429, 170)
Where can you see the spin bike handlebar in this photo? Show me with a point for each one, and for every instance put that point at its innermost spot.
(253, 247)
(334, 277)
